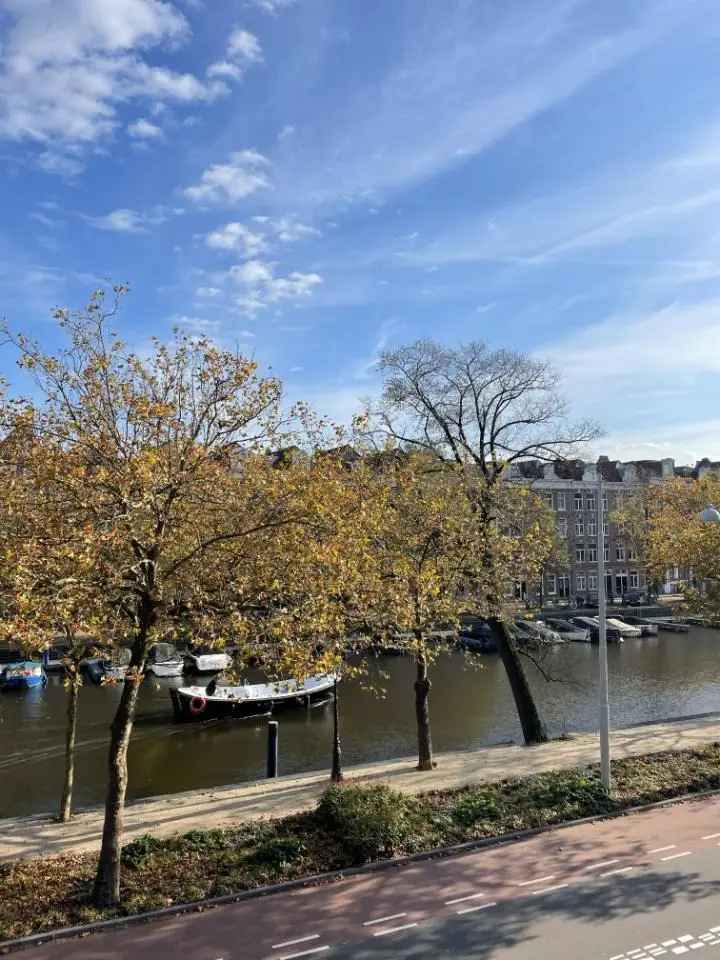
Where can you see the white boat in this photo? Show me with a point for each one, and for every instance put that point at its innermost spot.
(626, 629)
(207, 662)
(248, 699)
(164, 661)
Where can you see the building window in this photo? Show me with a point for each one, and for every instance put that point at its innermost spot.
(590, 502)
(563, 583)
(592, 554)
(580, 554)
(607, 553)
(581, 582)
(578, 501)
(619, 551)
(591, 528)
(551, 583)
(560, 501)
(562, 527)
(605, 527)
(632, 553)
(634, 579)
(605, 503)
(580, 528)
(548, 498)
(592, 581)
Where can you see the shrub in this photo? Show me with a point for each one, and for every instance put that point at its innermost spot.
(278, 852)
(368, 823)
(136, 854)
(474, 805)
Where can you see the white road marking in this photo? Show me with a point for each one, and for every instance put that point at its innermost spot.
(558, 886)
(670, 846)
(685, 938)
(383, 933)
(481, 906)
(711, 836)
(668, 943)
(675, 856)
(471, 896)
(393, 916)
(304, 953)
(613, 873)
(529, 883)
(291, 943)
(599, 866)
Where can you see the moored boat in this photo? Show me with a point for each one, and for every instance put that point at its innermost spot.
(625, 629)
(648, 629)
(247, 700)
(23, 675)
(109, 669)
(570, 631)
(206, 661)
(612, 634)
(165, 661)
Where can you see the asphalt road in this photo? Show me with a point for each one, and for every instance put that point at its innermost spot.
(635, 888)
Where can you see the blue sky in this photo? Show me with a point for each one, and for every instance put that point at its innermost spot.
(318, 179)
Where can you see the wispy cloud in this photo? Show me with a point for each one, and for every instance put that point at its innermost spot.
(237, 238)
(143, 129)
(243, 50)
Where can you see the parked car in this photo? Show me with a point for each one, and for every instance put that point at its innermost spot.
(635, 598)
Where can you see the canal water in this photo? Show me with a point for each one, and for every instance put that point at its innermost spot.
(671, 675)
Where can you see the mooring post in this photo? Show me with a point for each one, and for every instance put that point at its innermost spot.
(272, 749)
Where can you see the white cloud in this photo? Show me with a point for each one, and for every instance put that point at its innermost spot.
(208, 292)
(235, 236)
(288, 229)
(142, 129)
(132, 221)
(243, 50)
(685, 442)
(259, 287)
(287, 131)
(242, 175)
(272, 6)
(244, 46)
(119, 221)
(68, 64)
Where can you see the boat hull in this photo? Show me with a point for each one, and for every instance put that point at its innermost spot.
(194, 705)
(174, 669)
(23, 683)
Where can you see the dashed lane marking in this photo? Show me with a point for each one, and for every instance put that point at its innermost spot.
(711, 836)
(393, 916)
(675, 856)
(305, 953)
(558, 886)
(384, 933)
(481, 906)
(603, 863)
(470, 896)
(291, 943)
(614, 873)
(529, 883)
(670, 846)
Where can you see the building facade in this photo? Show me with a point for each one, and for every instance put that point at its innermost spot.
(570, 488)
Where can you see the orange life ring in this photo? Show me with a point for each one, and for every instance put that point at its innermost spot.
(197, 704)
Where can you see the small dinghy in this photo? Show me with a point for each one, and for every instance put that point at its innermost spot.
(203, 660)
(165, 661)
(22, 675)
(249, 699)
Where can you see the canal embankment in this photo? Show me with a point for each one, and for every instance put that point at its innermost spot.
(223, 807)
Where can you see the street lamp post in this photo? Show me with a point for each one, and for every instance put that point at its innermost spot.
(602, 646)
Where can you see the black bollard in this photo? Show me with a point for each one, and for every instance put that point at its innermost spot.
(272, 750)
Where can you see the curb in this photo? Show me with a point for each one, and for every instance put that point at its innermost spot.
(458, 849)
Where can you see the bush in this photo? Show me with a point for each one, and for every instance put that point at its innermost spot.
(474, 805)
(278, 852)
(568, 793)
(136, 854)
(368, 823)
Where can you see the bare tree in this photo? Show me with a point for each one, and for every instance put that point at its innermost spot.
(482, 410)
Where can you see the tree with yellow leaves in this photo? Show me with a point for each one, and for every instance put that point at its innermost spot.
(162, 459)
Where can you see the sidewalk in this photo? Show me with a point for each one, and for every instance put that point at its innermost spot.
(224, 806)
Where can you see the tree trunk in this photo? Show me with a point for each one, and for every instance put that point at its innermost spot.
(107, 881)
(72, 714)
(337, 774)
(422, 713)
(532, 726)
